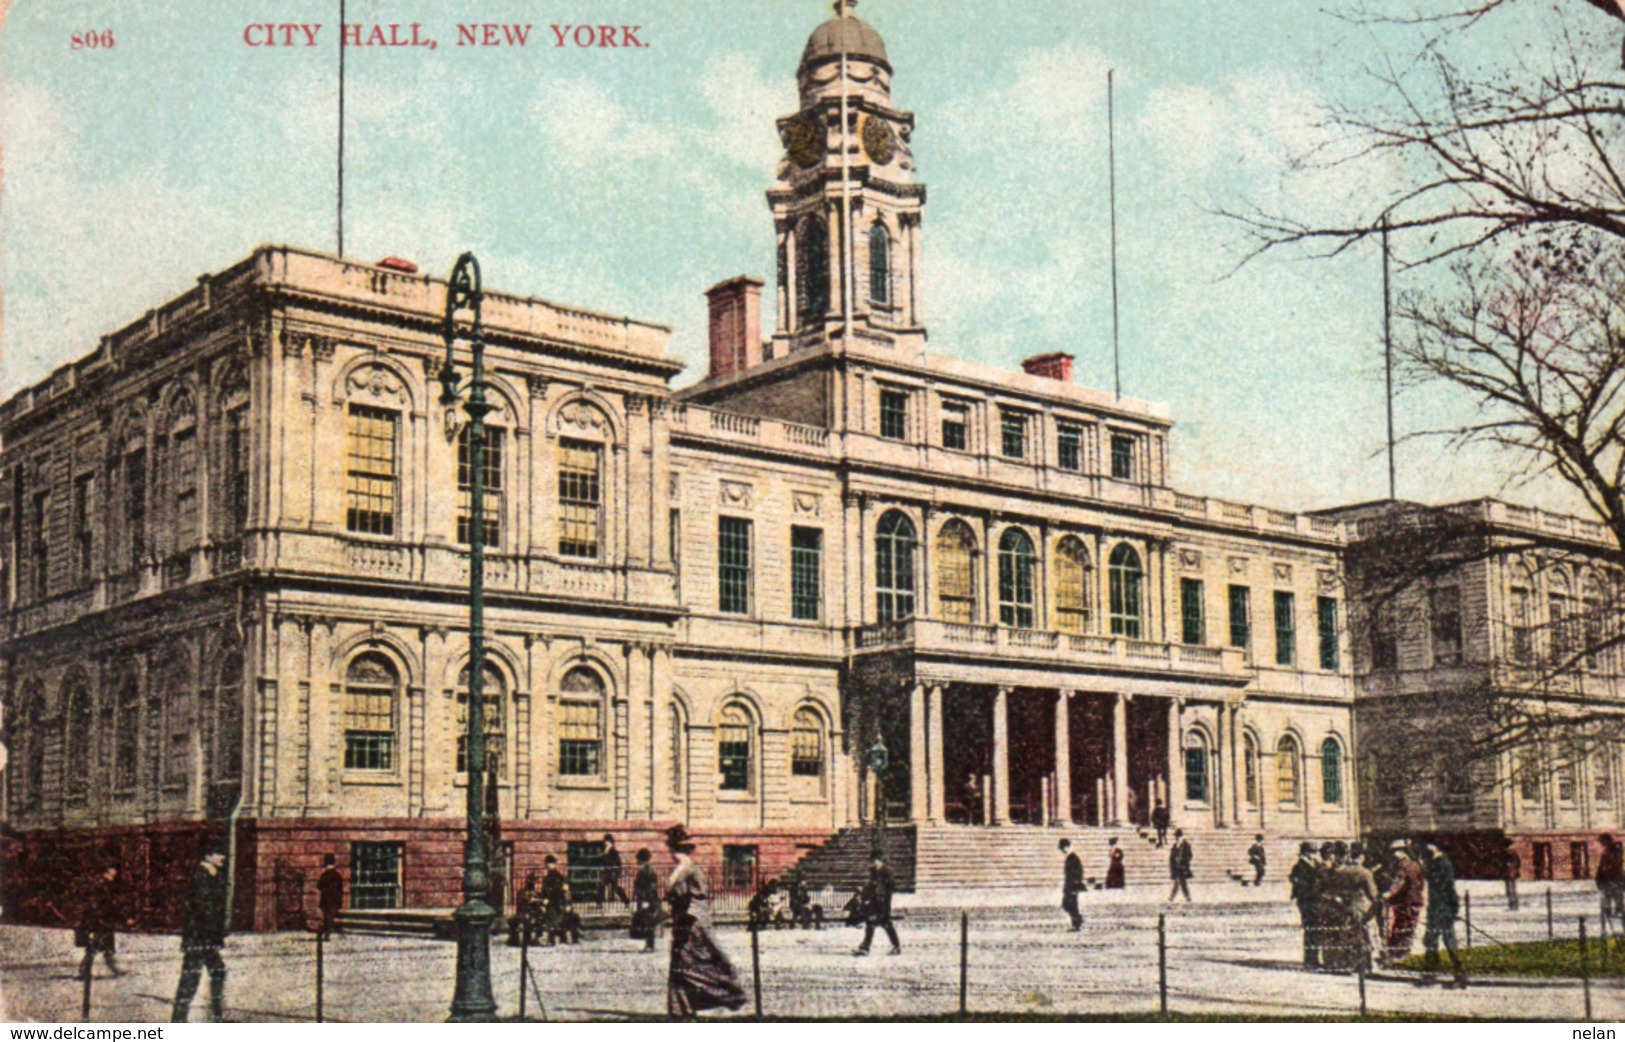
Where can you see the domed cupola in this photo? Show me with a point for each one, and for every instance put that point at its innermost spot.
(845, 33)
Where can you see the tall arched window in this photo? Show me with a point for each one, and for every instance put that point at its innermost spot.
(1286, 770)
(183, 471)
(581, 724)
(172, 691)
(127, 733)
(491, 474)
(1331, 771)
(227, 755)
(1125, 578)
(806, 745)
(678, 751)
(894, 566)
(1072, 578)
(879, 264)
(81, 735)
(33, 735)
(1249, 768)
(371, 690)
(1196, 764)
(1016, 563)
(812, 272)
(493, 693)
(734, 749)
(954, 564)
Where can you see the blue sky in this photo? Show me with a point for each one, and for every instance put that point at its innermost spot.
(629, 180)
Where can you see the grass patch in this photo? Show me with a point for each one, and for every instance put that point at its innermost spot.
(1560, 958)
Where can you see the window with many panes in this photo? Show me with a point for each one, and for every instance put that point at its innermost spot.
(1123, 457)
(371, 687)
(954, 560)
(41, 551)
(806, 745)
(492, 690)
(375, 874)
(812, 272)
(1068, 451)
(371, 470)
(135, 506)
(83, 532)
(955, 419)
(184, 471)
(236, 490)
(1192, 612)
(806, 573)
(733, 565)
(1286, 628)
(1331, 771)
(733, 750)
(1287, 770)
(1013, 434)
(894, 415)
(580, 498)
(1241, 617)
(1523, 642)
(1016, 564)
(1444, 607)
(1196, 768)
(1072, 578)
(491, 495)
(1326, 616)
(739, 866)
(1124, 578)
(127, 734)
(581, 723)
(879, 264)
(894, 566)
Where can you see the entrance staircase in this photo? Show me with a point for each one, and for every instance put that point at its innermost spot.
(841, 863)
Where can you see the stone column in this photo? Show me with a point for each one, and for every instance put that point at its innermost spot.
(1063, 759)
(1237, 777)
(936, 795)
(1001, 757)
(1221, 755)
(1119, 759)
(1176, 761)
(918, 775)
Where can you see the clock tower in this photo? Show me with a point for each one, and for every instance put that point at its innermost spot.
(846, 207)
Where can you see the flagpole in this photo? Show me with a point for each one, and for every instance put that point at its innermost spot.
(1388, 355)
(1111, 153)
(341, 129)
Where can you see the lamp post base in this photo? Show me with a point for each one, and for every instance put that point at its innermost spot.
(473, 1002)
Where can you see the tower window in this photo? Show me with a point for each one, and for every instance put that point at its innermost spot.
(879, 264)
(812, 272)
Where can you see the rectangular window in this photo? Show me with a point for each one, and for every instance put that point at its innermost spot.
(1192, 614)
(369, 727)
(1067, 441)
(1123, 457)
(581, 738)
(1444, 606)
(954, 420)
(1326, 611)
(236, 505)
(83, 503)
(894, 415)
(1384, 641)
(369, 492)
(1241, 617)
(375, 874)
(580, 498)
(1286, 629)
(1013, 433)
(184, 447)
(1557, 608)
(491, 474)
(739, 867)
(676, 523)
(806, 566)
(135, 506)
(42, 546)
(733, 565)
(582, 871)
(1523, 644)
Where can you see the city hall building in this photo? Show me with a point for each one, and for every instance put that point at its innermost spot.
(841, 578)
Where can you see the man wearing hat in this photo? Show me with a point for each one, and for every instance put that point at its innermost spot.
(1305, 882)
(1405, 900)
(609, 873)
(203, 935)
(1443, 909)
(1071, 884)
(559, 919)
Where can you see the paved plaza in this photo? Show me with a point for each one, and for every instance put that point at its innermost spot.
(1231, 952)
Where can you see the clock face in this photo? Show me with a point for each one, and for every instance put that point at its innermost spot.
(879, 140)
(801, 141)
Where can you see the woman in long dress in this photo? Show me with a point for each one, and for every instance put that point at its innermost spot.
(1114, 871)
(701, 976)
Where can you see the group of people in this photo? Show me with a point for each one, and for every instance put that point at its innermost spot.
(785, 903)
(1358, 908)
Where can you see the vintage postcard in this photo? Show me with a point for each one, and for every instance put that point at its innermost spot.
(778, 509)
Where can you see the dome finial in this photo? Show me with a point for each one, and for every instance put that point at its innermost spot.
(843, 8)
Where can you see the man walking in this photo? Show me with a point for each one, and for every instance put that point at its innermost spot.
(1511, 868)
(1304, 879)
(203, 935)
(99, 922)
(1405, 900)
(1443, 908)
(1071, 884)
(330, 895)
(1256, 857)
(877, 894)
(609, 873)
(1159, 821)
(1179, 866)
(1611, 881)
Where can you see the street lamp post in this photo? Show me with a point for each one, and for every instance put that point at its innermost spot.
(473, 1000)
(879, 758)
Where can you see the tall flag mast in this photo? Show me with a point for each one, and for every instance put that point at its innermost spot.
(1388, 354)
(1111, 154)
(843, 9)
(341, 129)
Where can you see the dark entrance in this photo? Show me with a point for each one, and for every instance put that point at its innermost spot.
(1090, 724)
(967, 719)
(1032, 754)
(1147, 756)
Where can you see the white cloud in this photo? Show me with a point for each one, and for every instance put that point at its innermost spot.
(1054, 109)
(584, 125)
(746, 105)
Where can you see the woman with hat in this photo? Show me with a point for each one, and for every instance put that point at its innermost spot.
(701, 976)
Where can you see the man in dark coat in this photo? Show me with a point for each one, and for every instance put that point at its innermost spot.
(1071, 884)
(803, 911)
(1511, 869)
(1611, 881)
(99, 922)
(1257, 858)
(1159, 821)
(609, 873)
(559, 919)
(203, 934)
(1179, 866)
(646, 910)
(330, 895)
(1443, 908)
(1305, 882)
(877, 894)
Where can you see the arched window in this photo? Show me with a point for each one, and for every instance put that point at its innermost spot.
(1559, 612)
(733, 749)
(127, 733)
(1016, 563)
(1286, 770)
(581, 498)
(1331, 771)
(81, 734)
(955, 566)
(894, 566)
(371, 689)
(33, 735)
(1249, 768)
(183, 471)
(1602, 776)
(812, 272)
(879, 264)
(493, 693)
(1072, 578)
(371, 469)
(806, 745)
(1528, 772)
(1196, 780)
(1125, 578)
(227, 754)
(679, 752)
(581, 724)
(172, 692)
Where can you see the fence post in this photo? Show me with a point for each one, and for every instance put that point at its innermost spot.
(84, 1001)
(523, 926)
(1467, 898)
(321, 945)
(1585, 971)
(756, 963)
(1551, 932)
(1162, 963)
(964, 958)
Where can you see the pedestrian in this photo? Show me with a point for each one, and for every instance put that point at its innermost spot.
(1159, 821)
(1071, 884)
(609, 872)
(877, 895)
(330, 895)
(525, 924)
(559, 919)
(701, 977)
(646, 902)
(203, 934)
(1443, 908)
(1405, 899)
(973, 800)
(1257, 858)
(804, 912)
(1179, 866)
(1114, 869)
(99, 920)
(1511, 869)
(1354, 894)
(1611, 881)
(1304, 879)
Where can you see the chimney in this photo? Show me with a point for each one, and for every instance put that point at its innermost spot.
(399, 264)
(736, 325)
(1054, 366)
